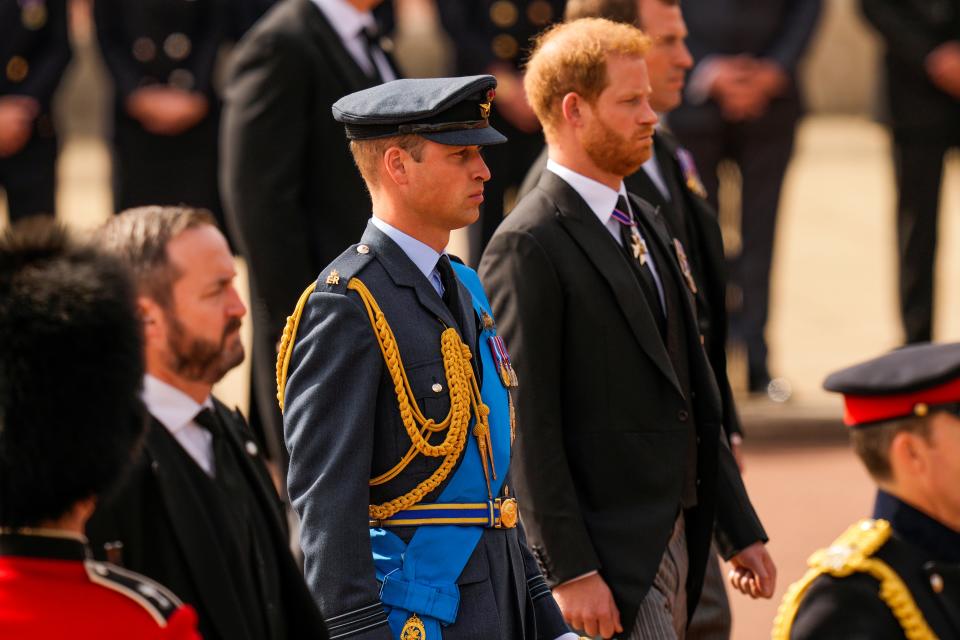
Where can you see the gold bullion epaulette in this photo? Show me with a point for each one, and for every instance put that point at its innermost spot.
(160, 602)
(853, 552)
(333, 280)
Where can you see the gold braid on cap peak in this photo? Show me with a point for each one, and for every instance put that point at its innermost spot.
(465, 403)
(852, 553)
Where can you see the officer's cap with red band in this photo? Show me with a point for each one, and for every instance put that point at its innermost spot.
(912, 381)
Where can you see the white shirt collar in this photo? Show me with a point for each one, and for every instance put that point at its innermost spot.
(170, 406)
(599, 197)
(422, 255)
(345, 19)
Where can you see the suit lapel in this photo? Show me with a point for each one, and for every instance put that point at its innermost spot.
(602, 250)
(324, 36)
(189, 521)
(406, 274)
(256, 473)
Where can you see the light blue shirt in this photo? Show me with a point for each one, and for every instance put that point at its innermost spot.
(423, 256)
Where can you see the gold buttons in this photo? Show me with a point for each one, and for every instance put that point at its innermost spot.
(363, 249)
(505, 47)
(17, 69)
(921, 409)
(936, 582)
(34, 14)
(540, 13)
(181, 79)
(144, 50)
(437, 387)
(503, 14)
(177, 46)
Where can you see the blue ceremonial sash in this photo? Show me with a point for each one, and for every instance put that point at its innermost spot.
(421, 577)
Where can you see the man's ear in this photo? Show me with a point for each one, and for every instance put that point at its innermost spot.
(908, 454)
(151, 315)
(572, 107)
(395, 165)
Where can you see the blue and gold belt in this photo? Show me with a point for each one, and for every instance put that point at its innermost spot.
(500, 513)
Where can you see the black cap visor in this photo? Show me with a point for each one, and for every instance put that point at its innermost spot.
(483, 137)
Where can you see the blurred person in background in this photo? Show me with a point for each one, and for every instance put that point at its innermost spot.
(922, 63)
(895, 576)
(34, 52)
(161, 56)
(493, 36)
(292, 194)
(198, 512)
(742, 103)
(71, 423)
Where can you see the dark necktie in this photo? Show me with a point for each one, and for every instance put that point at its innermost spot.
(228, 474)
(371, 37)
(640, 257)
(451, 293)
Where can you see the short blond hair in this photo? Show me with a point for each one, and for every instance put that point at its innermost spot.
(368, 154)
(572, 58)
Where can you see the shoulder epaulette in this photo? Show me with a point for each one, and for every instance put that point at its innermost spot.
(333, 279)
(853, 552)
(160, 602)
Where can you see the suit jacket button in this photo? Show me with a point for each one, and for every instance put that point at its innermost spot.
(682, 415)
(251, 447)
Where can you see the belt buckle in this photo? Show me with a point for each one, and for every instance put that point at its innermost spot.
(508, 513)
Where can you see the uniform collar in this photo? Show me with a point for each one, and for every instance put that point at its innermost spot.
(918, 528)
(170, 406)
(599, 197)
(422, 255)
(49, 544)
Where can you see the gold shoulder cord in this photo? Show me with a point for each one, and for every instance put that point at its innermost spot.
(465, 403)
(851, 553)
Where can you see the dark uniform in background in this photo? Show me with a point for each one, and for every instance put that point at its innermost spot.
(925, 121)
(162, 44)
(896, 576)
(494, 37)
(775, 30)
(34, 52)
(292, 194)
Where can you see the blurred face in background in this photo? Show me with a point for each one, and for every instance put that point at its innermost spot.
(668, 60)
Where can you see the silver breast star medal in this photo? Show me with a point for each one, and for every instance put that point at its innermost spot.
(639, 246)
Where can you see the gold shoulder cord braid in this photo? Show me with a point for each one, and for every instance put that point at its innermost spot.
(465, 402)
(851, 553)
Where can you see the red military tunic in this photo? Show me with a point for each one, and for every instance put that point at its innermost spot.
(51, 590)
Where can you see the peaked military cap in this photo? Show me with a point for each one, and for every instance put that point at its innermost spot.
(911, 381)
(453, 111)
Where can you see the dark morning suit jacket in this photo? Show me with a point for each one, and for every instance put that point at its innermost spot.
(692, 220)
(293, 197)
(168, 534)
(911, 29)
(603, 427)
(342, 427)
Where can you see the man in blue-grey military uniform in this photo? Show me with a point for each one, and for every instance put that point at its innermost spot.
(396, 394)
(897, 575)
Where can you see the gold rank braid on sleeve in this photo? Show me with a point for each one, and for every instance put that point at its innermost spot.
(852, 553)
(463, 389)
